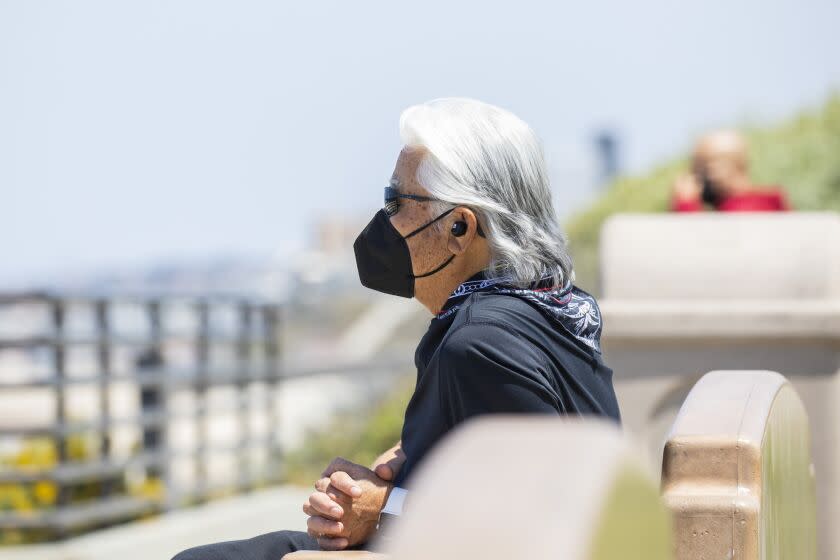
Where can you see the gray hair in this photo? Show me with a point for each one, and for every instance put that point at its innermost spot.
(489, 160)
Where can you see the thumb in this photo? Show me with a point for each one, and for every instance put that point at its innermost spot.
(384, 471)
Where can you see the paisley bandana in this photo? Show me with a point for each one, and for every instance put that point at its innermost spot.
(569, 307)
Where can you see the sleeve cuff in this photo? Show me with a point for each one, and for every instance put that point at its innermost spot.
(394, 504)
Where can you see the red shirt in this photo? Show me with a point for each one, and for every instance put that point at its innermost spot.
(765, 200)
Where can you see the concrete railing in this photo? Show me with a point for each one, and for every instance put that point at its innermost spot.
(683, 295)
(737, 472)
(529, 487)
(534, 487)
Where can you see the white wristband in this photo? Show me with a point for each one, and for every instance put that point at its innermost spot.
(396, 498)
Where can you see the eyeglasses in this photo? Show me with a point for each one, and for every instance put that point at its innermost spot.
(392, 200)
(392, 203)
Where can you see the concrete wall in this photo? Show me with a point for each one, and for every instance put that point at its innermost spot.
(683, 295)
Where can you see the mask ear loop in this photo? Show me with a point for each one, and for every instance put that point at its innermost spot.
(421, 228)
(438, 269)
(446, 262)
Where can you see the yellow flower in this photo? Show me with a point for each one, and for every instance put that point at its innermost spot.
(45, 492)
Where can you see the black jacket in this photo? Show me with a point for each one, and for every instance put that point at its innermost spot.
(506, 351)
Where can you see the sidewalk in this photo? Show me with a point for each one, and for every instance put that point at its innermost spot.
(162, 537)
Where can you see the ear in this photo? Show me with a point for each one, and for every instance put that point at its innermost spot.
(458, 245)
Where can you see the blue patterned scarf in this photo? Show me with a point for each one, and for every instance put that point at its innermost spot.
(569, 307)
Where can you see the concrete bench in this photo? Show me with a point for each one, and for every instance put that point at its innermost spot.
(737, 472)
(509, 487)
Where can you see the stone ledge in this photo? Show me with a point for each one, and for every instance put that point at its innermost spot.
(679, 319)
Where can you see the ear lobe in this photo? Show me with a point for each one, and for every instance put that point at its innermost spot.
(457, 245)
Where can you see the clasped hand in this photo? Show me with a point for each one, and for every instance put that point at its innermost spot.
(344, 509)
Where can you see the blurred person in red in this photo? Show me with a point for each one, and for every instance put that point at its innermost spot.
(720, 179)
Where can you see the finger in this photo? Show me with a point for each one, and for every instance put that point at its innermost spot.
(324, 505)
(323, 485)
(309, 510)
(318, 526)
(342, 481)
(328, 543)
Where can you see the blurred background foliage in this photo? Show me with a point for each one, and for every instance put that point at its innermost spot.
(801, 154)
(360, 436)
(41, 454)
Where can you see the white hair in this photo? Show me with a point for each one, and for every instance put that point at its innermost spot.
(489, 160)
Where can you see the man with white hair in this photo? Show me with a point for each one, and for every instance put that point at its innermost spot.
(468, 229)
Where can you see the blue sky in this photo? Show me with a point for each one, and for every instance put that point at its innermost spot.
(137, 131)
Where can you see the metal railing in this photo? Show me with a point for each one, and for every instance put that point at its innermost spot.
(172, 346)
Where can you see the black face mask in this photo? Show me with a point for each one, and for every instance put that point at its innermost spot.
(384, 260)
